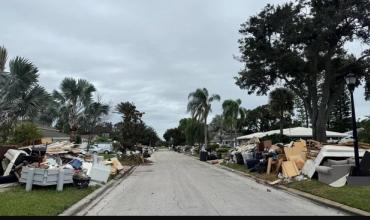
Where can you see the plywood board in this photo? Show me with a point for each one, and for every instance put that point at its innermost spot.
(298, 160)
(290, 169)
(116, 163)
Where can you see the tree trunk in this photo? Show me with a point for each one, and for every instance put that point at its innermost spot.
(235, 136)
(205, 133)
(73, 134)
(321, 127)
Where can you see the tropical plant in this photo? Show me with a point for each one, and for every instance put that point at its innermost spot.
(25, 133)
(21, 98)
(200, 105)
(74, 97)
(131, 126)
(302, 45)
(233, 112)
(282, 103)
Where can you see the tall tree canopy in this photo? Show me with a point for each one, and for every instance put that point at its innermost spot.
(131, 124)
(282, 103)
(340, 118)
(301, 45)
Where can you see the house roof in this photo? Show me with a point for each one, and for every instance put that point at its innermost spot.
(299, 132)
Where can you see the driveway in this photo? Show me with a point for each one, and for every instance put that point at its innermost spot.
(180, 185)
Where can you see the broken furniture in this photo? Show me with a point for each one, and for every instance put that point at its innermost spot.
(335, 173)
(329, 151)
(46, 177)
(12, 159)
(100, 173)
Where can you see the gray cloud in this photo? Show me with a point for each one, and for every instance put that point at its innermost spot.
(152, 53)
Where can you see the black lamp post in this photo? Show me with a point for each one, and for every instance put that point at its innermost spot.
(351, 81)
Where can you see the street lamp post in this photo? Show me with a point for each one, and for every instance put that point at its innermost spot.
(351, 81)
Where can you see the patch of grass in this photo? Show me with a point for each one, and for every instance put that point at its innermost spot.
(41, 201)
(244, 169)
(108, 156)
(357, 197)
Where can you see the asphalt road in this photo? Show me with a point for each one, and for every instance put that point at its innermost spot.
(179, 185)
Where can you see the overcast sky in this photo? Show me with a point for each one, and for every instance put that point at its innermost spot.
(150, 52)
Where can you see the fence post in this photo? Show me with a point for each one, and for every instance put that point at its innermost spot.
(60, 180)
(29, 181)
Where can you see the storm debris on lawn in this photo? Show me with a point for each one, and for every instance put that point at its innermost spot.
(56, 164)
(301, 160)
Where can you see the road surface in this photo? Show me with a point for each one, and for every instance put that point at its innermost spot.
(179, 185)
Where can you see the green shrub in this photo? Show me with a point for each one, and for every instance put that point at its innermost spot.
(25, 133)
(213, 147)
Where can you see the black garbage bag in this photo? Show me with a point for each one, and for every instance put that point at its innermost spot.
(239, 159)
(81, 182)
(8, 179)
(261, 167)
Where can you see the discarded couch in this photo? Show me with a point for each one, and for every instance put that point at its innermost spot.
(335, 173)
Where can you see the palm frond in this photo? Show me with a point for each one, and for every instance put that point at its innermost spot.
(3, 58)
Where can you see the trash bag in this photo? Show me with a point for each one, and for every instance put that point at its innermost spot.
(251, 163)
(81, 182)
(239, 159)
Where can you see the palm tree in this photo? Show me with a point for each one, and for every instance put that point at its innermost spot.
(282, 102)
(74, 97)
(21, 98)
(200, 105)
(233, 114)
(93, 116)
(217, 126)
(3, 59)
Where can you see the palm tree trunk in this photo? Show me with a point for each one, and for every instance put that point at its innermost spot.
(235, 136)
(281, 127)
(205, 133)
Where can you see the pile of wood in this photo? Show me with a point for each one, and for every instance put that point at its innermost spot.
(61, 148)
(296, 158)
(313, 149)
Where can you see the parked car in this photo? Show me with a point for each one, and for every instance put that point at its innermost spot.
(101, 148)
(345, 140)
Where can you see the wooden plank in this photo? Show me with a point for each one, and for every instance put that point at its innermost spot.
(279, 165)
(269, 164)
(290, 169)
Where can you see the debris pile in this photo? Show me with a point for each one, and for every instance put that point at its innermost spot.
(299, 160)
(57, 164)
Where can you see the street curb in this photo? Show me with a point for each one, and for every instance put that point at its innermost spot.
(76, 208)
(299, 193)
(314, 198)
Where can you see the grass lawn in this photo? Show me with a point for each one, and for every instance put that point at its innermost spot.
(40, 201)
(244, 169)
(108, 156)
(357, 197)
